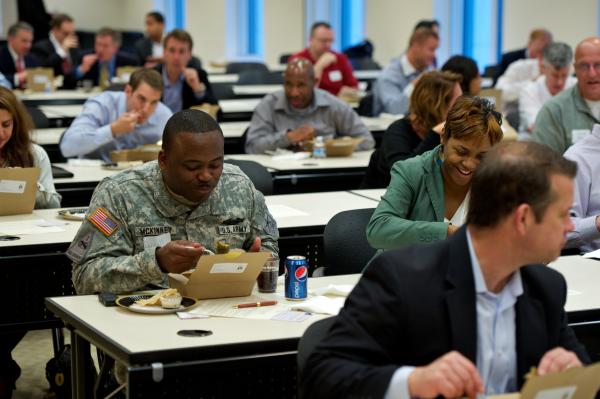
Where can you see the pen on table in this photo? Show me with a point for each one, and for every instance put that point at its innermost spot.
(255, 304)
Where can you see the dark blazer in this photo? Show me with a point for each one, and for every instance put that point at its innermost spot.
(47, 56)
(123, 59)
(400, 142)
(7, 65)
(189, 98)
(143, 49)
(507, 59)
(417, 303)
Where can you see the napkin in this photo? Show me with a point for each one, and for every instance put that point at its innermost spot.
(321, 304)
(333, 289)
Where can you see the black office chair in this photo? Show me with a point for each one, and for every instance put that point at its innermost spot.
(364, 64)
(365, 105)
(223, 91)
(253, 77)
(258, 174)
(237, 67)
(309, 340)
(345, 243)
(283, 58)
(490, 71)
(40, 120)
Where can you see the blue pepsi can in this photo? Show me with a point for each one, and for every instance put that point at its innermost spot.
(296, 276)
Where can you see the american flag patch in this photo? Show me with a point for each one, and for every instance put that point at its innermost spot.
(102, 220)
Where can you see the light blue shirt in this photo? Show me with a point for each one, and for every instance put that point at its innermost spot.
(90, 135)
(172, 95)
(496, 336)
(586, 199)
(4, 82)
(389, 89)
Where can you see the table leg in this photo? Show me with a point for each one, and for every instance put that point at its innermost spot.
(80, 350)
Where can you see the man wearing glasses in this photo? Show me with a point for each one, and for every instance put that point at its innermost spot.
(570, 115)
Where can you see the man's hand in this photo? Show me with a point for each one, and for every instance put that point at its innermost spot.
(255, 245)
(22, 77)
(192, 79)
(179, 256)
(87, 62)
(324, 61)
(451, 376)
(598, 222)
(69, 42)
(557, 359)
(125, 124)
(301, 133)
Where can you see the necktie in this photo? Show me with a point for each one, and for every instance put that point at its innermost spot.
(66, 65)
(104, 75)
(20, 67)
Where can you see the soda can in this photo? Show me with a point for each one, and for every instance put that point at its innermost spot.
(296, 276)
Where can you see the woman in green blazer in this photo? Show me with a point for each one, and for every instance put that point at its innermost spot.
(428, 196)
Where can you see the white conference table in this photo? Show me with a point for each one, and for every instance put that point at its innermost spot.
(59, 95)
(83, 174)
(61, 111)
(290, 211)
(582, 276)
(150, 343)
(49, 136)
(359, 159)
(374, 194)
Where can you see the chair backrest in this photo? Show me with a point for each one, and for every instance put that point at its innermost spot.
(345, 242)
(365, 106)
(364, 64)
(258, 174)
(237, 67)
(309, 340)
(253, 77)
(283, 58)
(40, 120)
(223, 91)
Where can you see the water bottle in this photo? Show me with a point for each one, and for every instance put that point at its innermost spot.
(319, 148)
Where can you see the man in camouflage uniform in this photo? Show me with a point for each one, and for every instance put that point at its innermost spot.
(159, 218)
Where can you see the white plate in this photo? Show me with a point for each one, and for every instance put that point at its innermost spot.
(128, 302)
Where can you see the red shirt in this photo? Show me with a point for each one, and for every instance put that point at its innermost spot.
(335, 75)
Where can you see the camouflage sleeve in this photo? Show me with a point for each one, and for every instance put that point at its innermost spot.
(263, 224)
(103, 249)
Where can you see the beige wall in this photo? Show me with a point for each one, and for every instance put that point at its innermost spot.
(389, 24)
(206, 24)
(569, 22)
(118, 14)
(284, 28)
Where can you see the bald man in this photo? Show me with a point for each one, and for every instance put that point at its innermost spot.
(300, 112)
(570, 115)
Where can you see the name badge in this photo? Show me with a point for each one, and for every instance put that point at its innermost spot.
(157, 241)
(335, 76)
(578, 134)
(234, 229)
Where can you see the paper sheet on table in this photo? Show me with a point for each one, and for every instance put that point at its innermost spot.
(284, 211)
(28, 227)
(294, 156)
(225, 308)
(594, 254)
(333, 289)
(321, 304)
(85, 162)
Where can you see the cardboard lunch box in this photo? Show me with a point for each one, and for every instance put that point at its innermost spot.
(221, 276)
(144, 153)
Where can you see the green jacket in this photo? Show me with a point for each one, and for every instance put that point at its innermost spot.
(558, 118)
(412, 209)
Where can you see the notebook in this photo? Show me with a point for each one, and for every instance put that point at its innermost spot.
(18, 187)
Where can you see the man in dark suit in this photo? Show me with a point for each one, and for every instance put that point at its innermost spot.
(101, 65)
(186, 85)
(149, 49)
(60, 50)
(463, 316)
(15, 57)
(538, 40)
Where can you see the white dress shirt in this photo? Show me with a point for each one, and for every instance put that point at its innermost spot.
(517, 75)
(532, 97)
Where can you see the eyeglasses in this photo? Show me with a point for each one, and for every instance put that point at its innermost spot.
(585, 67)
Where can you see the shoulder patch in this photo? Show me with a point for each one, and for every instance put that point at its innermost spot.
(79, 248)
(103, 221)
